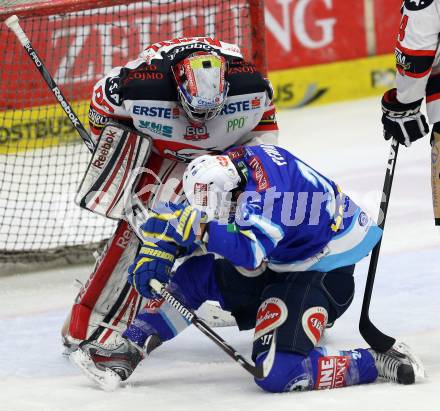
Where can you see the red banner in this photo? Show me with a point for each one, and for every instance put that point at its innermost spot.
(306, 32)
(386, 28)
(80, 48)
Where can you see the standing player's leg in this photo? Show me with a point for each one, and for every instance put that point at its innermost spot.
(435, 171)
(433, 111)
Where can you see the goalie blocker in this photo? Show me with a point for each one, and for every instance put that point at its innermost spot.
(114, 169)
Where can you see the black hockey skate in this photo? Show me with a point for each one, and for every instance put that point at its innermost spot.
(108, 365)
(394, 366)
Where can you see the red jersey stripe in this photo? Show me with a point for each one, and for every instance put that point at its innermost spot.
(266, 127)
(411, 52)
(433, 97)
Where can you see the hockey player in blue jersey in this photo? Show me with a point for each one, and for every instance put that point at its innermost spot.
(288, 241)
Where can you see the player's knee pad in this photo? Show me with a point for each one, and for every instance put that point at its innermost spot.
(311, 299)
(306, 309)
(288, 373)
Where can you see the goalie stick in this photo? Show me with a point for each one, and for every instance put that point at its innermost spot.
(371, 334)
(13, 23)
(258, 372)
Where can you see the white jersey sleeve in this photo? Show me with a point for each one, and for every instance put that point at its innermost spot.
(266, 131)
(417, 48)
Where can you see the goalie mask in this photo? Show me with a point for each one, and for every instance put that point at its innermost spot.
(211, 185)
(201, 85)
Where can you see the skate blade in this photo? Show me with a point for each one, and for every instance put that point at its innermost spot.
(416, 362)
(68, 350)
(108, 380)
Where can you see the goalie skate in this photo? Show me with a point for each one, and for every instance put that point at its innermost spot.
(107, 379)
(107, 365)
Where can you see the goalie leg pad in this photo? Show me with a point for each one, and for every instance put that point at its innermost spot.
(107, 291)
(106, 304)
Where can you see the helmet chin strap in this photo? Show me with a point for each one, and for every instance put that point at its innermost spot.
(235, 193)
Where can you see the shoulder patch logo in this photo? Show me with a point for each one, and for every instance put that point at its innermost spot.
(259, 174)
(414, 5)
(112, 90)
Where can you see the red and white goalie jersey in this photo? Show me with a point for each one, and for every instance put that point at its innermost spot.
(418, 55)
(143, 94)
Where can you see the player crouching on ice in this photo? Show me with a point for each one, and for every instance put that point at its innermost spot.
(289, 240)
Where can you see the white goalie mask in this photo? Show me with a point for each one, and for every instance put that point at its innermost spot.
(201, 85)
(209, 183)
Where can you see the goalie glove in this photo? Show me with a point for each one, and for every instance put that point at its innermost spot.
(404, 122)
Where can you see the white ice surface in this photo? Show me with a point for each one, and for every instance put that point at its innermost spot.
(190, 373)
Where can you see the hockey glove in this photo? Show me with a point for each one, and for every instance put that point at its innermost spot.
(404, 122)
(155, 260)
(172, 223)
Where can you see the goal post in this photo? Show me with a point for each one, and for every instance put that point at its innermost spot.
(42, 158)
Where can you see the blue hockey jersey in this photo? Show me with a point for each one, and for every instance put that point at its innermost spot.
(291, 217)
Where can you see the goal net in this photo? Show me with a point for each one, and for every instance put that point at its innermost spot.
(42, 158)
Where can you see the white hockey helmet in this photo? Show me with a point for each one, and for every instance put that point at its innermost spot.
(201, 85)
(209, 182)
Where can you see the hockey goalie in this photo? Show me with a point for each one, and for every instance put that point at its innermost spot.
(189, 96)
